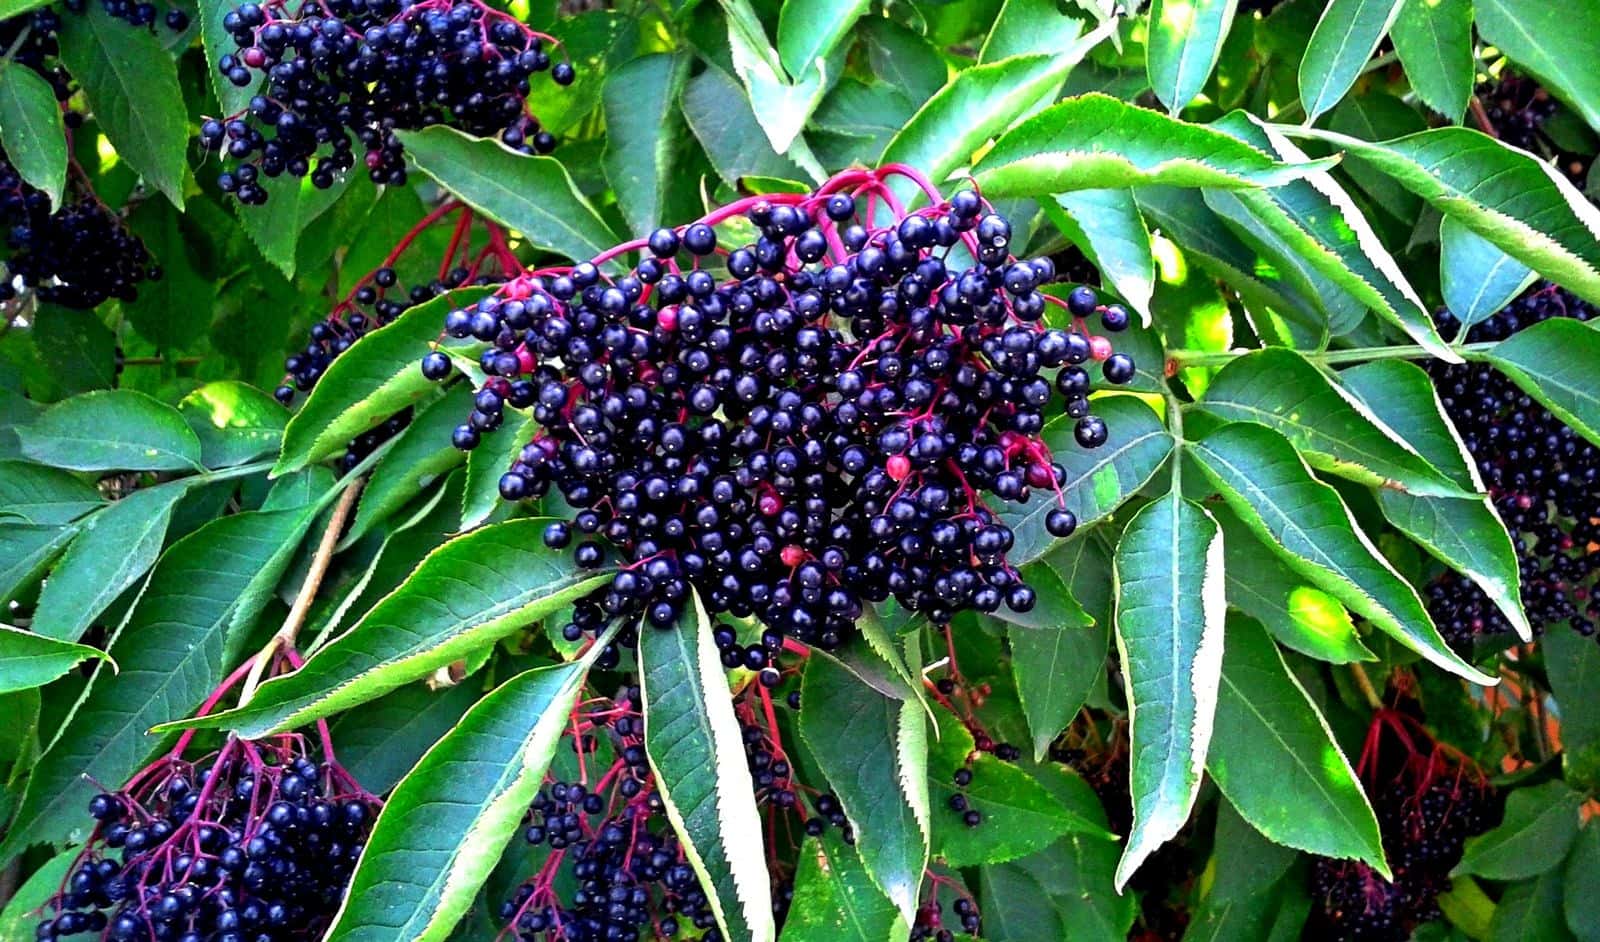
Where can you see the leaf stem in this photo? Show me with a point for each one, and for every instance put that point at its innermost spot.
(1364, 684)
(158, 361)
(1181, 358)
(284, 638)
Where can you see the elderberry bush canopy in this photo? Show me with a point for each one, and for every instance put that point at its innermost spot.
(342, 72)
(826, 417)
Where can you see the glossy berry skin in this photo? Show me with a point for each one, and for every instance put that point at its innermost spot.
(344, 74)
(1543, 477)
(823, 418)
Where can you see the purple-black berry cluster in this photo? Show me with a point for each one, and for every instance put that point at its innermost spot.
(255, 842)
(1428, 801)
(1518, 108)
(797, 426)
(343, 73)
(1543, 477)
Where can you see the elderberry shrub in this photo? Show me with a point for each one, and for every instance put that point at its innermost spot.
(1543, 477)
(1428, 800)
(342, 72)
(257, 842)
(805, 424)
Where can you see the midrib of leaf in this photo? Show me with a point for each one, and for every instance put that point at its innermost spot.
(1315, 433)
(1454, 665)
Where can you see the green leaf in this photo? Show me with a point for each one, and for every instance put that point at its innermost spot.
(693, 741)
(25, 551)
(175, 310)
(463, 595)
(1539, 826)
(720, 116)
(1185, 41)
(21, 914)
(1075, 876)
(873, 751)
(1020, 816)
(1573, 662)
(1097, 142)
(1333, 430)
(1530, 912)
(1247, 868)
(380, 741)
(293, 204)
(1183, 217)
(112, 430)
(132, 86)
(30, 660)
(1552, 361)
(1507, 196)
(1057, 663)
(1098, 479)
(835, 900)
(1465, 534)
(118, 545)
(1303, 520)
(378, 376)
(44, 496)
(904, 59)
(1345, 38)
(450, 818)
(644, 137)
(1272, 741)
(1581, 905)
(1027, 27)
(421, 455)
(1300, 615)
(1476, 278)
(1170, 606)
(810, 30)
(31, 130)
(234, 421)
(533, 195)
(1541, 39)
(1316, 222)
(975, 106)
(781, 106)
(76, 348)
(172, 652)
(1434, 41)
(1106, 224)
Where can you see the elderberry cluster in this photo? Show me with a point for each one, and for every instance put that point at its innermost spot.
(256, 843)
(1543, 477)
(929, 924)
(347, 72)
(628, 873)
(80, 254)
(801, 425)
(1428, 802)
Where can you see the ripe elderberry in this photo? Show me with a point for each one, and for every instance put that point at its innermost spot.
(1543, 477)
(343, 72)
(257, 840)
(822, 418)
(1518, 108)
